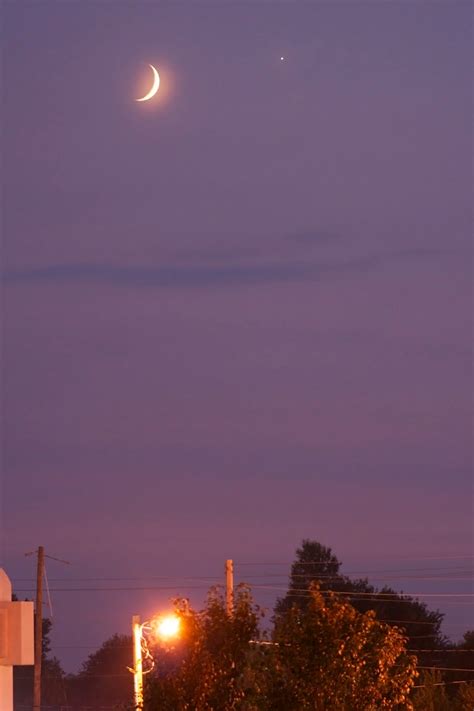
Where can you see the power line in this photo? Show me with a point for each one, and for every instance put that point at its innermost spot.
(379, 570)
(109, 589)
(441, 683)
(81, 675)
(444, 669)
(413, 559)
(69, 707)
(252, 578)
(433, 650)
(141, 577)
(384, 574)
(442, 651)
(397, 597)
(409, 622)
(371, 594)
(441, 578)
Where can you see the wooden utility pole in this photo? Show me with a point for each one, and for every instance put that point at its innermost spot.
(229, 586)
(38, 630)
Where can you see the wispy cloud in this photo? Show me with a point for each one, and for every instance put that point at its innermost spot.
(164, 275)
(209, 275)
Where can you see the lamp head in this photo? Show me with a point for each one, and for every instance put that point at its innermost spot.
(167, 627)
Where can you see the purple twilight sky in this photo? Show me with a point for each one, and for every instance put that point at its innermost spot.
(239, 314)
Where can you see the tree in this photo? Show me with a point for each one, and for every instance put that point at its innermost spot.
(465, 698)
(52, 675)
(215, 664)
(459, 656)
(327, 655)
(468, 640)
(431, 693)
(104, 678)
(316, 563)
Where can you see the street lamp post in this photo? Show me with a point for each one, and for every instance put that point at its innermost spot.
(163, 627)
(137, 662)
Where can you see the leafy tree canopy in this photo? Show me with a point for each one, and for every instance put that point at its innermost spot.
(327, 655)
(217, 655)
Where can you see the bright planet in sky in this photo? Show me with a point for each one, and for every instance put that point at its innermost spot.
(155, 85)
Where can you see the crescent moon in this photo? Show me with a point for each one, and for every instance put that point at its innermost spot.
(154, 88)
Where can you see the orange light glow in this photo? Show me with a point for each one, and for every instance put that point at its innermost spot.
(168, 627)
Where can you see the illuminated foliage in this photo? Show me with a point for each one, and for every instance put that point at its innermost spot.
(465, 699)
(329, 656)
(214, 667)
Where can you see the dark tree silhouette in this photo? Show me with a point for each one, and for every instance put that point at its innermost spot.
(53, 690)
(316, 563)
(104, 679)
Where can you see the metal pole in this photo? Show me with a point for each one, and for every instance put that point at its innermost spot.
(229, 586)
(137, 663)
(38, 631)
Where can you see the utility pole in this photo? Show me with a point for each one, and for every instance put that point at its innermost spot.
(229, 586)
(137, 663)
(38, 630)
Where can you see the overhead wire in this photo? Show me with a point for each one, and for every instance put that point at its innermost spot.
(442, 651)
(452, 669)
(394, 596)
(116, 579)
(413, 559)
(368, 594)
(434, 573)
(122, 588)
(441, 683)
(404, 574)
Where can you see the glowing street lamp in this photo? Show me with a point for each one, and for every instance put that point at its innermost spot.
(164, 628)
(167, 627)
